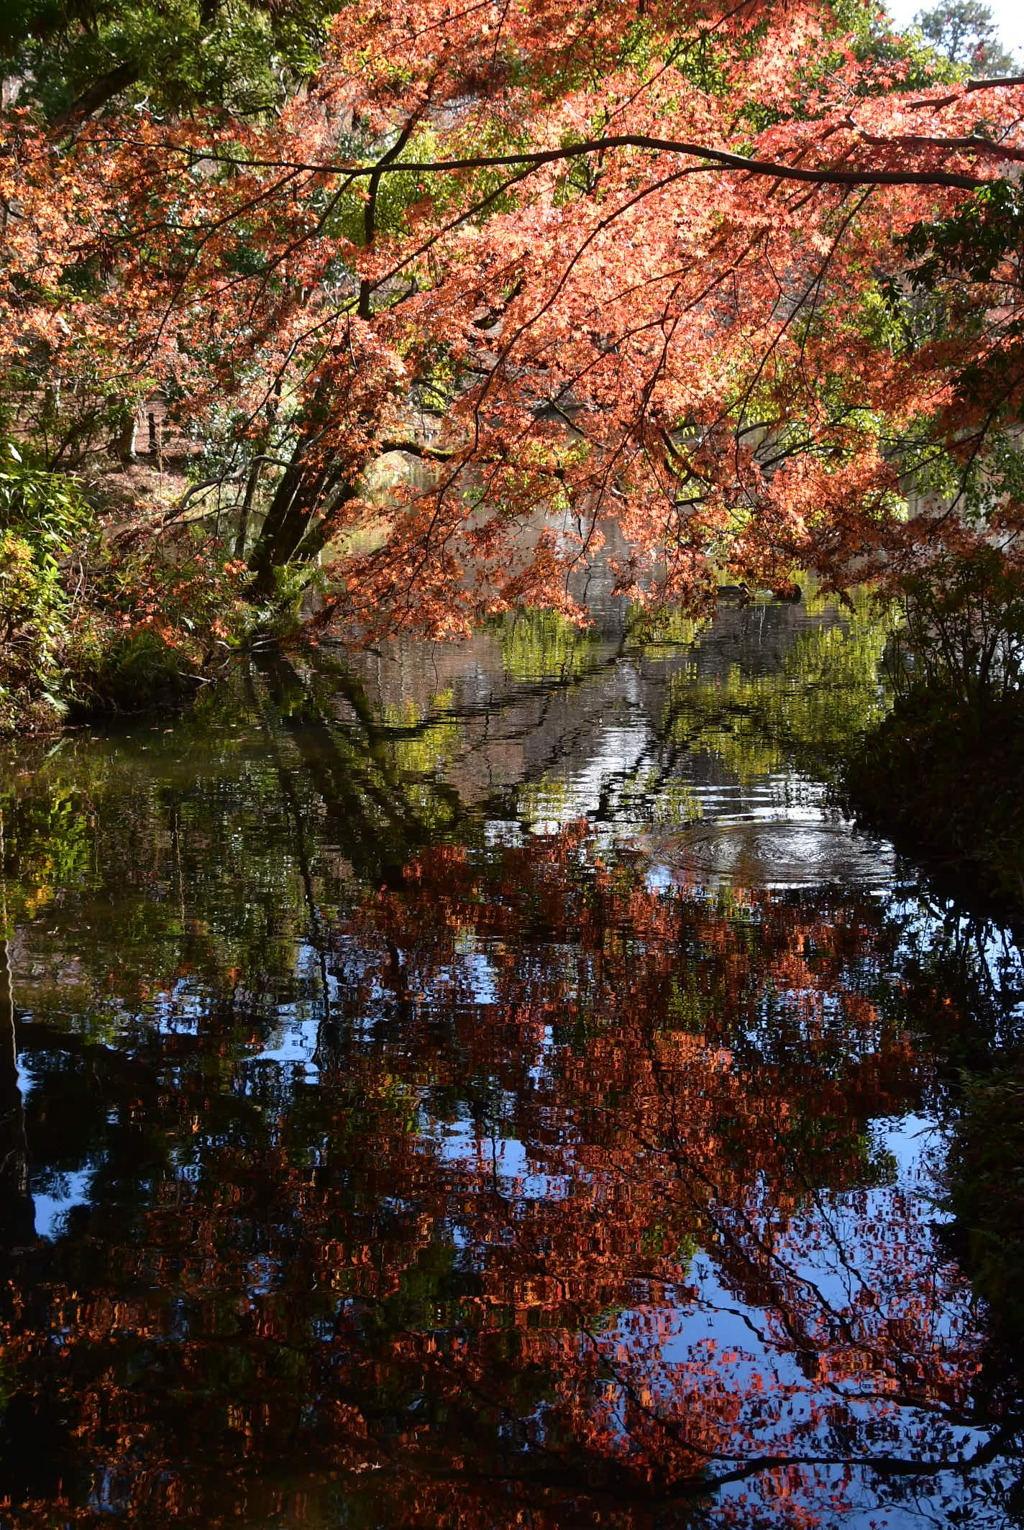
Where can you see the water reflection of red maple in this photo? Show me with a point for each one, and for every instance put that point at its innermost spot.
(582, 1218)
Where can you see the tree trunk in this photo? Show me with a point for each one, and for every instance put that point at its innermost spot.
(123, 444)
(290, 527)
(98, 94)
(287, 521)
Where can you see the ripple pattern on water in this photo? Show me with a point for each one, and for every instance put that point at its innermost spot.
(766, 852)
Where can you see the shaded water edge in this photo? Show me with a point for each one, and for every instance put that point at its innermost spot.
(462, 1084)
(943, 779)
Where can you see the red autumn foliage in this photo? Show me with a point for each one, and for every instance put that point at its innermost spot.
(631, 259)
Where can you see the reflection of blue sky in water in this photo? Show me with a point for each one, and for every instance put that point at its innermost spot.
(53, 1194)
(833, 1256)
(52, 1205)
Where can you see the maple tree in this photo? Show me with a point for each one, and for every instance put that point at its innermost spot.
(640, 261)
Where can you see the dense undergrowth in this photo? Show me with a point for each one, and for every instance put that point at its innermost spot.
(93, 623)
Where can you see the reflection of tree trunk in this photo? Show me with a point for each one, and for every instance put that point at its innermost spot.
(372, 818)
(294, 810)
(17, 1217)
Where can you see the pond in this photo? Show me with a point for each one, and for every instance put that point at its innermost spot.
(489, 1085)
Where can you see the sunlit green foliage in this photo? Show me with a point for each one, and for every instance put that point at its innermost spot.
(243, 55)
(88, 626)
(46, 527)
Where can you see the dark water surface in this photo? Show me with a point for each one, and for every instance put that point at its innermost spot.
(487, 1086)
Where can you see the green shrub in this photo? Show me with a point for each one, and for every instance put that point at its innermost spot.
(964, 627)
(87, 626)
(46, 529)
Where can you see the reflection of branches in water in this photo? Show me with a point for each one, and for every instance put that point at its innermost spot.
(352, 1272)
(271, 729)
(374, 734)
(756, 721)
(490, 711)
(370, 813)
(544, 710)
(745, 1238)
(484, 720)
(966, 978)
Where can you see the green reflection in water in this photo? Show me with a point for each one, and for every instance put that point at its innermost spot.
(826, 693)
(541, 644)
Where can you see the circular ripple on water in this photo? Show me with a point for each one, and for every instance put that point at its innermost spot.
(760, 853)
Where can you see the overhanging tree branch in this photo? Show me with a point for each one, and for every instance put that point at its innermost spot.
(820, 175)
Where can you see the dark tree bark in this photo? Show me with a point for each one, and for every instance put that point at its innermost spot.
(96, 95)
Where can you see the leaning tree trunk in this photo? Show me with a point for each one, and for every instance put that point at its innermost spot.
(303, 513)
(297, 524)
(302, 497)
